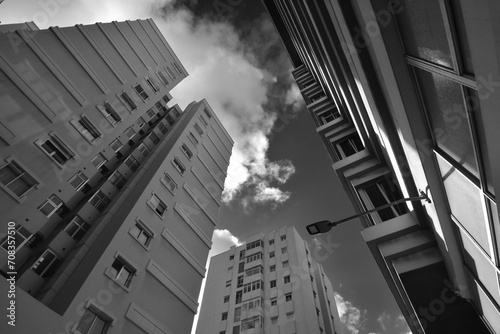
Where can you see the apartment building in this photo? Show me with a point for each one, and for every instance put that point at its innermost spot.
(112, 194)
(271, 284)
(404, 95)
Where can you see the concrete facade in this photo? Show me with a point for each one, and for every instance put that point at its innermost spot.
(404, 95)
(270, 284)
(114, 195)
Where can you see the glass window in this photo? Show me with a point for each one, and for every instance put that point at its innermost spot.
(109, 113)
(462, 24)
(193, 139)
(465, 203)
(151, 82)
(380, 193)
(21, 237)
(78, 180)
(121, 272)
(86, 128)
(141, 92)
(128, 101)
(157, 205)
(117, 179)
(56, 149)
(92, 323)
(142, 234)
(76, 228)
(99, 201)
(15, 179)
(198, 129)
(116, 145)
(187, 151)
(132, 163)
(348, 146)
(99, 160)
(286, 279)
(179, 166)
(272, 283)
(444, 104)
(50, 205)
(169, 182)
(423, 32)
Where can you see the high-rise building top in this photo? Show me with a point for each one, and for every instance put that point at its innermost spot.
(113, 195)
(404, 96)
(271, 284)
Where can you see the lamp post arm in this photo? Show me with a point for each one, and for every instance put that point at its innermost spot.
(423, 196)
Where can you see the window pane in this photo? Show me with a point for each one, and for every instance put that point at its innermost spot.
(465, 203)
(461, 23)
(444, 104)
(423, 32)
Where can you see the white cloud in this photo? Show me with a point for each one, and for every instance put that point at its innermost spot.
(388, 321)
(225, 236)
(352, 317)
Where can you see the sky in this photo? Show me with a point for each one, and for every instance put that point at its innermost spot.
(279, 172)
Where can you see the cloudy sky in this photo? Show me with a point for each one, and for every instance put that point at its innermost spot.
(279, 172)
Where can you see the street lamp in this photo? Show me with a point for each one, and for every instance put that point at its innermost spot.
(326, 225)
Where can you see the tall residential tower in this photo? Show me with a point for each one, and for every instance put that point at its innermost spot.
(113, 195)
(269, 285)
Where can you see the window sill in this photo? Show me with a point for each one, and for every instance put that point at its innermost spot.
(125, 288)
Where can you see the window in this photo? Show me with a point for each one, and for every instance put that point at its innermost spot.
(229, 270)
(170, 73)
(252, 303)
(98, 161)
(271, 242)
(130, 132)
(99, 201)
(117, 179)
(187, 151)
(162, 128)
(51, 205)
(271, 255)
(109, 113)
(237, 314)
(143, 149)
(329, 115)
(56, 149)
(224, 316)
(272, 283)
(285, 264)
(254, 257)
(14, 179)
(141, 233)
(128, 101)
(241, 267)
(208, 113)
(179, 166)
(166, 98)
(231, 257)
(116, 145)
(154, 138)
(239, 295)
(226, 299)
(169, 182)
(236, 329)
(274, 301)
(380, 193)
(170, 120)
(242, 254)
(283, 237)
(239, 282)
(151, 82)
(151, 113)
(254, 244)
(348, 146)
(198, 129)
(162, 77)
(159, 106)
(253, 271)
(140, 122)
(138, 88)
(78, 180)
(92, 323)
(21, 236)
(121, 272)
(286, 279)
(86, 128)
(272, 268)
(132, 163)
(175, 112)
(177, 68)
(253, 322)
(283, 250)
(252, 286)
(288, 297)
(46, 264)
(228, 283)
(76, 228)
(157, 205)
(203, 120)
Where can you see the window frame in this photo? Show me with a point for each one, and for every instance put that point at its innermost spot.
(103, 199)
(143, 229)
(179, 166)
(84, 179)
(98, 313)
(121, 180)
(140, 91)
(170, 183)
(198, 128)
(187, 151)
(46, 271)
(85, 126)
(152, 84)
(118, 142)
(62, 148)
(4, 242)
(81, 225)
(125, 266)
(109, 112)
(129, 102)
(50, 201)
(155, 208)
(20, 172)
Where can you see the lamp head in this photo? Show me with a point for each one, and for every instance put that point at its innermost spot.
(320, 227)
